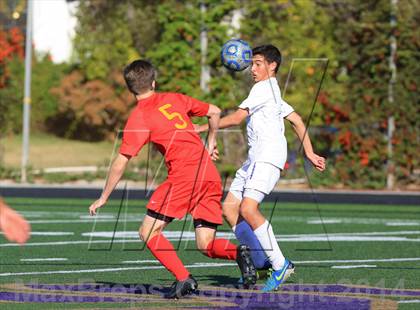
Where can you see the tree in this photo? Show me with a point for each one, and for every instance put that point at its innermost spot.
(111, 33)
(90, 110)
(178, 55)
(93, 99)
(11, 46)
(166, 32)
(362, 34)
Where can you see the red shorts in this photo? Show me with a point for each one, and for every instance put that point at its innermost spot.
(201, 200)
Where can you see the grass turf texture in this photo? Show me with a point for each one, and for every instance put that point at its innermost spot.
(387, 232)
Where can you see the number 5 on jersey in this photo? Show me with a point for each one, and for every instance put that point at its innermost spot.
(181, 124)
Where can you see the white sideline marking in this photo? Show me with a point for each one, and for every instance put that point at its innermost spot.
(415, 259)
(189, 235)
(51, 214)
(109, 269)
(50, 233)
(353, 266)
(140, 261)
(137, 217)
(65, 243)
(402, 224)
(196, 265)
(98, 217)
(352, 220)
(88, 220)
(347, 239)
(373, 233)
(42, 259)
(324, 221)
(132, 236)
(413, 301)
(186, 235)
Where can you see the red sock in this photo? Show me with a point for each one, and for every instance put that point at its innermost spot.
(221, 248)
(164, 251)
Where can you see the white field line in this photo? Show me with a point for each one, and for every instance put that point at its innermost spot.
(82, 221)
(413, 301)
(7, 274)
(140, 261)
(277, 218)
(348, 239)
(102, 216)
(50, 233)
(364, 221)
(55, 214)
(353, 266)
(196, 265)
(65, 243)
(402, 224)
(326, 221)
(190, 236)
(78, 217)
(42, 259)
(378, 260)
(229, 235)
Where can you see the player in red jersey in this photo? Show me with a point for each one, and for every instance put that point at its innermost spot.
(193, 184)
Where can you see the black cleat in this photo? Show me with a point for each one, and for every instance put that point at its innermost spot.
(182, 288)
(244, 260)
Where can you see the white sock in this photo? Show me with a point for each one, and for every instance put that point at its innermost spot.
(269, 243)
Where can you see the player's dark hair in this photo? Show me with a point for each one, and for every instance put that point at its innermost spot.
(139, 76)
(270, 53)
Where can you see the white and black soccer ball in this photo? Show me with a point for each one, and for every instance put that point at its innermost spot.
(236, 55)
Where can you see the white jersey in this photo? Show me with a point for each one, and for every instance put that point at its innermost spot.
(265, 125)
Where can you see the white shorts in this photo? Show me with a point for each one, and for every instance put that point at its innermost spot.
(255, 180)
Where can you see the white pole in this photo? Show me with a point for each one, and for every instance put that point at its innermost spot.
(390, 180)
(205, 70)
(27, 93)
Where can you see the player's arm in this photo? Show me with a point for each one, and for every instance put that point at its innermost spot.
(14, 226)
(229, 120)
(300, 130)
(117, 170)
(213, 125)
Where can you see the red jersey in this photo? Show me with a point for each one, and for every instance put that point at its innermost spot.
(164, 119)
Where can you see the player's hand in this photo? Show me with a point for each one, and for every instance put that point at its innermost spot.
(14, 226)
(96, 205)
(213, 151)
(317, 161)
(215, 154)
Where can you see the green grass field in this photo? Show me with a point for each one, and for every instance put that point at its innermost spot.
(352, 245)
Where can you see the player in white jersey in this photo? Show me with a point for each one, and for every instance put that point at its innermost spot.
(264, 110)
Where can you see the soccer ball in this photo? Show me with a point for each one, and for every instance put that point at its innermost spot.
(236, 55)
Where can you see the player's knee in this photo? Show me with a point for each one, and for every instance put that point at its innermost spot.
(204, 251)
(203, 246)
(247, 212)
(142, 234)
(146, 234)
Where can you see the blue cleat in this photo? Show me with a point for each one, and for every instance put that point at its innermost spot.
(278, 277)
